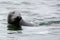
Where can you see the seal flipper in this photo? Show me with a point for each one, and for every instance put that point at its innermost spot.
(23, 23)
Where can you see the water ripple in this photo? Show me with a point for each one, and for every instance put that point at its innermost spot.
(10, 3)
(50, 22)
(26, 3)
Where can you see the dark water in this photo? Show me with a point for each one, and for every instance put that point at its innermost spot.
(45, 13)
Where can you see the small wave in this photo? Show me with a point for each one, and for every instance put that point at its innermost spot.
(26, 3)
(8, 2)
(5, 2)
(58, 5)
(50, 23)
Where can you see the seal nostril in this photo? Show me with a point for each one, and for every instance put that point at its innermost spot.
(18, 18)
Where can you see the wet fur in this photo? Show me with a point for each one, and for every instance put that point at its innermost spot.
(17, 20)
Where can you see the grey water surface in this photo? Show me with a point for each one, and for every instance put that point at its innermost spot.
(45, 13)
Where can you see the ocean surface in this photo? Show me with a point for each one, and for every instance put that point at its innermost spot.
(45, 13)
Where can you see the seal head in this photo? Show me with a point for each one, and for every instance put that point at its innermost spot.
(14, 19)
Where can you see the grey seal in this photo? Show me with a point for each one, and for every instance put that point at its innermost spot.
(15, 20)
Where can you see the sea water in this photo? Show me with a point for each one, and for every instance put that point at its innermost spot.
(45, 13)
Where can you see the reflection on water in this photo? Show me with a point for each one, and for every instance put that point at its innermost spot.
(32, 33)
(14, 27)
(45, 13)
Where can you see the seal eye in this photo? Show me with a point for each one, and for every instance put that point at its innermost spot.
(13, 12)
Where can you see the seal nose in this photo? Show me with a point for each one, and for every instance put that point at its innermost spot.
(18, 18)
